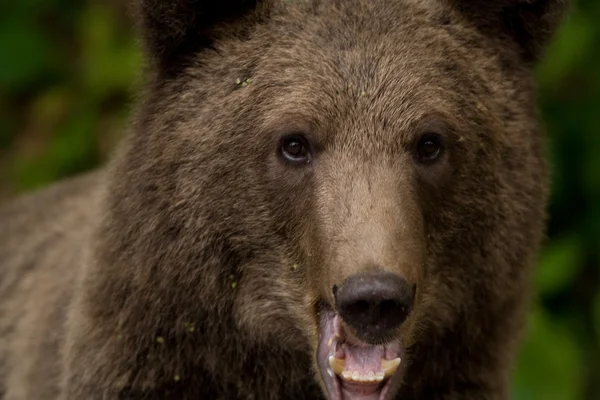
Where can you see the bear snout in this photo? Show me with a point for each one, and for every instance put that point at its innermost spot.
(374, 304)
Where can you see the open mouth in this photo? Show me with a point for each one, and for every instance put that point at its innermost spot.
(352, 369)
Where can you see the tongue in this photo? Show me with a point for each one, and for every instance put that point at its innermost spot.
(363, 359)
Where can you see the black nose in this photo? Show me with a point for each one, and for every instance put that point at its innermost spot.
(374, 304)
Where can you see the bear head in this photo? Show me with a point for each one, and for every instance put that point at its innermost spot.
(349, 193)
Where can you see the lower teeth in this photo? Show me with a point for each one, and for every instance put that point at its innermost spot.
(356, 377)
(388, 367)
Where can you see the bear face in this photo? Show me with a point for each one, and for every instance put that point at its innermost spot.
(344, 193)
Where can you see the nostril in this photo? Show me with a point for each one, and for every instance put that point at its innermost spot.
(388, 308)
(360, 307)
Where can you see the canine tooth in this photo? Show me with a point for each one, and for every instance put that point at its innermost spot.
(330, 373)
(390, 366)
(337, 365)
(330, 342)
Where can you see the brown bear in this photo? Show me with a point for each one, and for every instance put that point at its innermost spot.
(335, 199)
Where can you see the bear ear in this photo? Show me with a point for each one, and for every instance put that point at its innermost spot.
(171, 28)
(530, 23)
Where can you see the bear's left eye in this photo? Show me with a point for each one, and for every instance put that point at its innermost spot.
(429, 148)
(296, 149)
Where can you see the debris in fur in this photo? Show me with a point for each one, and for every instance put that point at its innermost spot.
(243, 83)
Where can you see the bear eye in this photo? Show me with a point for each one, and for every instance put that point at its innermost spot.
(296, 149)
(429, 148)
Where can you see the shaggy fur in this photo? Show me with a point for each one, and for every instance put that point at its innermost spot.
(192, 267)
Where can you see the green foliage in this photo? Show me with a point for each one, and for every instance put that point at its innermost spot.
(560, 265)
(66, 88)
(550, 366)
(559, 358)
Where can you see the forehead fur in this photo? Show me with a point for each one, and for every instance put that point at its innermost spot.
(379, 67)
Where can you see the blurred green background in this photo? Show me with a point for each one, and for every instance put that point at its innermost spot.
(68, 73)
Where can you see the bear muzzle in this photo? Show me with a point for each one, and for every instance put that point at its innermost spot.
(360, 352)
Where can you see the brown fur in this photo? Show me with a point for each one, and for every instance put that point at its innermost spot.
(170, 274)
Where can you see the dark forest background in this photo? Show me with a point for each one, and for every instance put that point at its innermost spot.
(68, 73)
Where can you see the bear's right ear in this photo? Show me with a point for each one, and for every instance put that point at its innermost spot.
(173, 27)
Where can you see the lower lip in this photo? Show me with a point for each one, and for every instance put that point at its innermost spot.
(364, 389)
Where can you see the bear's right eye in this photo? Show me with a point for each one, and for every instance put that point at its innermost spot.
(296, 149)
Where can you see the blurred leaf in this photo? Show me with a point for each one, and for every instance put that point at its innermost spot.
(110, 61)
(591, 161)
(596, 315)
(550, 364)
(7, 128)
(560, 263)
(569, 48)
(27, 52)
(71, 151)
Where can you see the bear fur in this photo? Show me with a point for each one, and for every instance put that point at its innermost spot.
(193, 266)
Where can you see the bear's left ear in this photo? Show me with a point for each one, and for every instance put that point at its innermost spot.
(173, 28)
(530, 23)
